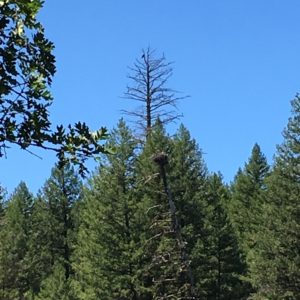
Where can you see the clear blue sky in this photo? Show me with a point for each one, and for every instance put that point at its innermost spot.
(237, 59)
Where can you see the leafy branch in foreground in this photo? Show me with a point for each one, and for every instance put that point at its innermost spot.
(27, 66)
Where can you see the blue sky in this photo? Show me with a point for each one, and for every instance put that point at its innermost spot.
(238, 61)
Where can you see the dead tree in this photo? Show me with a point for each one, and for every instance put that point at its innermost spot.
(149, 76)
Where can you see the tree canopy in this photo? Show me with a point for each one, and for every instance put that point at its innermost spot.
(152, 223)
(27, 67)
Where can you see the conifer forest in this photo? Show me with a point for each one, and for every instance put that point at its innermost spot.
(151, 221)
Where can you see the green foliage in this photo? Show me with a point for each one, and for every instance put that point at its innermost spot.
(167, 266)
(246, 205)
(188, 181)
(119, 241)
(275, 260)
(247, 199)
(26, 71)
(14, 235)
(55, 286)
(107, 256)
(217, 259)
(51, 237)
(39, 257)
(141, 229)
(27, 67)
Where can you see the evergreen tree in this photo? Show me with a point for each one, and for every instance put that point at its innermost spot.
(61, 192)
(275, 259)
(39, 257)
(55, 286)
(201, 205)
(14, 236)
(51, 232)
(108, 255)
(189, 184)
(167, 267)
(217, 258)
(246, 202)
(188, 181)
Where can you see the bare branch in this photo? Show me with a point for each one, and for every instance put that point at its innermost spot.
(149, 76)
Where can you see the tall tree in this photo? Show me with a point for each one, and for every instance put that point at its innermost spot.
(218, 264)
(108, 255)
(14, 236)
(167, 271)
(275, 262)
(39, 258)
(61, 191)
(246, 201)
(149, 77)
(26, 71)
(51, 239)
(189, 183)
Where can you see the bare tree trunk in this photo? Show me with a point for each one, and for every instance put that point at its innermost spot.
(148, 95)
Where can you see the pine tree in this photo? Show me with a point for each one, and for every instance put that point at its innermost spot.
(51, 236)
(108, 255)
(167, 270)
(275, 260)
(217, 258)
(55, 286)
(189, 184)
(246, 202)
(39, 256)
(14, 236)
(188, 180)
(61, 192)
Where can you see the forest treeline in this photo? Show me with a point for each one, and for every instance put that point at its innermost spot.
(151, 222)
(112, 238)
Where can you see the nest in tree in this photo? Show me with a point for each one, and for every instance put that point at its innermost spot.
(160, 158)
